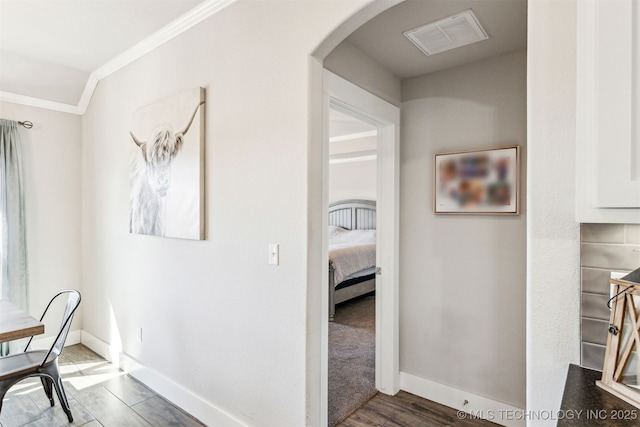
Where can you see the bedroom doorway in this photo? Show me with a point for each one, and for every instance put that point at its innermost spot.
(347, 99)
(352, 194)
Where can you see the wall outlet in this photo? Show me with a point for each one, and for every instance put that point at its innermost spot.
(139, 334)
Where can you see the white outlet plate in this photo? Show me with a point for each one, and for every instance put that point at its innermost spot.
(139, 334)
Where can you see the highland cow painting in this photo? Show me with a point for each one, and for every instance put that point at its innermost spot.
(166, 182)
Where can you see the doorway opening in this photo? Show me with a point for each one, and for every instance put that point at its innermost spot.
(352, 194)
(446, 111)
(356, 105)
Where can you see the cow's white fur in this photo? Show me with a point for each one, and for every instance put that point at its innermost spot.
(151, 179)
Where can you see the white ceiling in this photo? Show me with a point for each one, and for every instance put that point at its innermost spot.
(57, 50)
(50, 48)
(505, 22)
(82, 34)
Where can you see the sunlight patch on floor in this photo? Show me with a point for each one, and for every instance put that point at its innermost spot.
(77, 367)
(99, 373)
(26, 387)
(84, 381)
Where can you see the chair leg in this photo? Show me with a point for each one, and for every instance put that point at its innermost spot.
(62, 396)
(48, 388)
(53, 377)
(4, 387)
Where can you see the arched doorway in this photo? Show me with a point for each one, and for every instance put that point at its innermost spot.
(445, 307)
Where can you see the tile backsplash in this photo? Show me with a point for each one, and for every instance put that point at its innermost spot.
(603, 248)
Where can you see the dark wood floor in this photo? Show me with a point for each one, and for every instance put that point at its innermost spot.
(408, 410)
(99, 395)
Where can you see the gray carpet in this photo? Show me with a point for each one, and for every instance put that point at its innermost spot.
(351, 358)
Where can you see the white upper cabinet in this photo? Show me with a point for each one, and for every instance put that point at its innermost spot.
(608, 111)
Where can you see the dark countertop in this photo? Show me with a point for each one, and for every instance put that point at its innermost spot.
(584, 404)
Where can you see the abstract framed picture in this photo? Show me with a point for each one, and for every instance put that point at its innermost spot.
(166, 143)
(478, 182)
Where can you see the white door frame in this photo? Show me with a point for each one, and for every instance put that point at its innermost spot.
(349, 98)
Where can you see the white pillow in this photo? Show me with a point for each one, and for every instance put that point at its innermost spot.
(339, 236)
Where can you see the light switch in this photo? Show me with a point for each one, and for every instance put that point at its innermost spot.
(274, 254)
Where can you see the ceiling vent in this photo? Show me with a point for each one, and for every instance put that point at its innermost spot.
(448, 33)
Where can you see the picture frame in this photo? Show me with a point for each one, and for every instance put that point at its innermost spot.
(480, 182)
(166, 147)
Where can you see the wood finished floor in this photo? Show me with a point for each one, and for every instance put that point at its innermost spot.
(102, 395)
(408, 410)
(99, 395)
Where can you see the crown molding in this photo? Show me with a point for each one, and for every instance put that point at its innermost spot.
(39, 102)
(180, 25)
(87, 93)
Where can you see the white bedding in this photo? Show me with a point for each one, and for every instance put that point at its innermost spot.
(366, 272)
(351, 252)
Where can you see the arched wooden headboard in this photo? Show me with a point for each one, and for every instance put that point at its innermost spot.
(353, 214)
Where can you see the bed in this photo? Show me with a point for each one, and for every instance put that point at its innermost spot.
(352, 251)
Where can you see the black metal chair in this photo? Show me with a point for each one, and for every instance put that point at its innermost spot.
(42, 363)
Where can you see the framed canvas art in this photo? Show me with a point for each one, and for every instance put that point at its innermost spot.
(478, 182)
(166, 178)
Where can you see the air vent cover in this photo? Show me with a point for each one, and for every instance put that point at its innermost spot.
(448, 33)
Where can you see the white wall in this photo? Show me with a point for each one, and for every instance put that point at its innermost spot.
(217, 320)
(552, 307)
(462, 291)
(553, 286)
(351, 64)
(137, 276)
(52, 151)
(356, 179)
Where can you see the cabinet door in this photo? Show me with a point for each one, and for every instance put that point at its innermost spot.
(608, 102)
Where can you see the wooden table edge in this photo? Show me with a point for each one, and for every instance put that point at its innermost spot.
(24, 333)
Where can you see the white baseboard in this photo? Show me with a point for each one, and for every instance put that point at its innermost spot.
(101, 347)
(209, 414)
(479, 406)
(74, 337)
(196, 406)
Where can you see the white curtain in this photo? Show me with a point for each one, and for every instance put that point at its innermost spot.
(13, 250)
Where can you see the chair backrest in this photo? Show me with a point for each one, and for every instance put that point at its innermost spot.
(73, 301)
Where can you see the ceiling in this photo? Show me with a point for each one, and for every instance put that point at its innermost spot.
(53, 52)
(505, 22)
